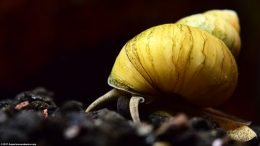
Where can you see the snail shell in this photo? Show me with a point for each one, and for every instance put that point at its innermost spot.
(191, 58)
(174, 59)
(224, 24)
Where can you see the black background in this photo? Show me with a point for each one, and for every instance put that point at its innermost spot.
(69, 46)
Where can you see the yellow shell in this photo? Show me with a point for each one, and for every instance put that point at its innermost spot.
(224, 24)
(191, 58)
(174, 59)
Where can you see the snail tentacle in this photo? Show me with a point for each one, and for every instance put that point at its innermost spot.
(109, 96)
(133, 105)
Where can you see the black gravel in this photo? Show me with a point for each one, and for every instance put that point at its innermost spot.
(32, 117)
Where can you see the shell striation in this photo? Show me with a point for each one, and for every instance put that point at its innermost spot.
(224, 24)
(178, 59)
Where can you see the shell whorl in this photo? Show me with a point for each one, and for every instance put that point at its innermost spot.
(176, 59)
(224, 24)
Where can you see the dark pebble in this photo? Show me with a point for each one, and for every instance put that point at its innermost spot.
(11, 135)
(156, 119)
(255, 141)
(26, 121)
(39, 120)
(3, 117)
(177, 132)
(218, 133)
(4, 104)
(72, 106)
(201, 124)
(106, 115)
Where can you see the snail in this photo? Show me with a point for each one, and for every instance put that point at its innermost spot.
(224, 24)
(193, 58)
(172, 59)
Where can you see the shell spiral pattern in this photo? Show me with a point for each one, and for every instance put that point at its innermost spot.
(176, 59)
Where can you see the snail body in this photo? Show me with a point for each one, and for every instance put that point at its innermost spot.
(172, 59)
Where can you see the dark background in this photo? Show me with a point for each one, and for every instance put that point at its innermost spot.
(69, 46)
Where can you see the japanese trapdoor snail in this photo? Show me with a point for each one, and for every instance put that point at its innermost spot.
(193, 58)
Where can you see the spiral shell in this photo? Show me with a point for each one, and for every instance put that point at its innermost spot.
(224, 24)
(174, 59)
(192, 59)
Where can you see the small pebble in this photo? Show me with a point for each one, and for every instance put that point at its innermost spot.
(201, 124)
(3, 117)
(72, 106)
(217, 142)
(33, 116)
(71, 132)
(22, 105)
